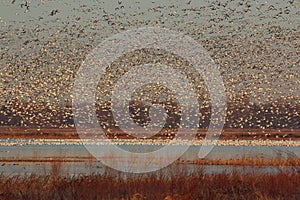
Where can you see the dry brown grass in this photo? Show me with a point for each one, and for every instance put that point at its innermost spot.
(55, 169)
(290, 161)
(178, 184)
(71, 133)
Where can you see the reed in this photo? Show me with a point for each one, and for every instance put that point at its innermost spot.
(290, 160)
(248, 162)
(175, 184)
(55, 169)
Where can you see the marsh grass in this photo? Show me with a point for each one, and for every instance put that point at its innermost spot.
(175, 182)
(178, 184)
(55, 169)
(249, 162)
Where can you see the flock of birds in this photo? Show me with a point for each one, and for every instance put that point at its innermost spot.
(155, 142)
(255, 45)
(26, 5)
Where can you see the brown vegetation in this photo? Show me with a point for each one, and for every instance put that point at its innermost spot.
(245, 161)
(180, 185)
(71, 133)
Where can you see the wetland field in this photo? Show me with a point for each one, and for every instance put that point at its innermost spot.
(85, 83)
(62, 168)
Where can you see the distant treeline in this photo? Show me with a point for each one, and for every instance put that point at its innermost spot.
(241, 113)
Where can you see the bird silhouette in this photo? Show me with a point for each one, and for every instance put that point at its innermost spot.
(53, 12)
(25, 5)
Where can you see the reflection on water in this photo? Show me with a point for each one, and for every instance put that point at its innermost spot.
(86, 168)
(75, 159)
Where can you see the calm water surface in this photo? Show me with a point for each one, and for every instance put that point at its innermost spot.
(79, 161)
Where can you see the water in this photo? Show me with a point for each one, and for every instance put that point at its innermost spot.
(87, 168)
(75, 159)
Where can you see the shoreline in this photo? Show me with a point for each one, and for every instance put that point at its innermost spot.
(154, 142)
(165, 134)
